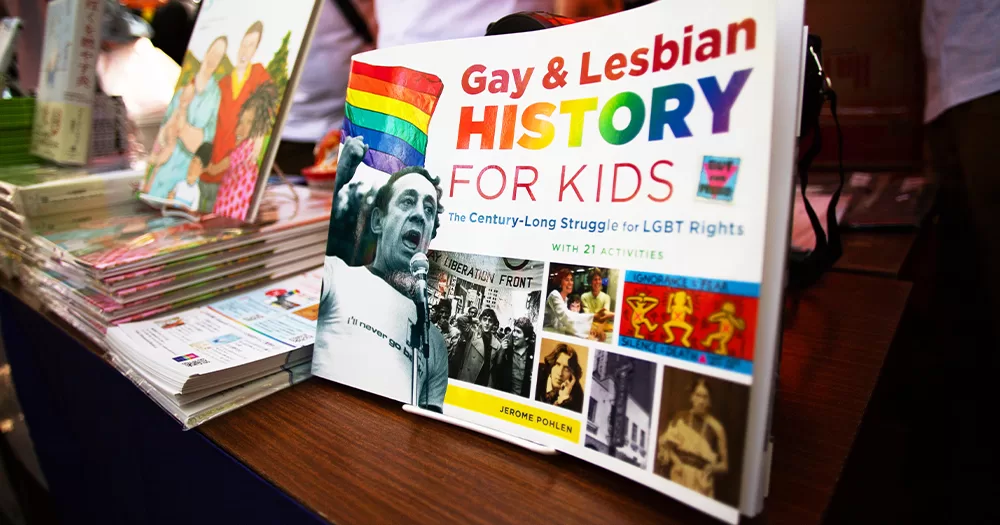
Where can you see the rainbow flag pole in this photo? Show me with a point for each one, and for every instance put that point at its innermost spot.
(390, 108)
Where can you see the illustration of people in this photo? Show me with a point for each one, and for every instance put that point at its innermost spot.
(240, 181)
(187, 192)
(728, 324)
(166, 138)
(235, 88)
(679, 306)
(693, 449)
(558, 381)
(641, 305)
(196, 127)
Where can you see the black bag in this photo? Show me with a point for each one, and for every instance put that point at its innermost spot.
(804, 269)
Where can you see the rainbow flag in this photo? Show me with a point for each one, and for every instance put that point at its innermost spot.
(390, 108)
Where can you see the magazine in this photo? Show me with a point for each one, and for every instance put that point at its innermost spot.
(218, 139)
(108, 311)
(113, 243)
(577, 237)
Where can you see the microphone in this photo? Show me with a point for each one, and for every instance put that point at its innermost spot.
(418, 268)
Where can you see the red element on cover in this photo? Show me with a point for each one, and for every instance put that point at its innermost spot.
(229, 114)
(718, 323)
(401, 76)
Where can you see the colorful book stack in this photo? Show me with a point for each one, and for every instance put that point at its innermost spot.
(130, 263)
(40, 194)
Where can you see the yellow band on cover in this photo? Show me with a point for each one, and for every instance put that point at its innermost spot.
(511, 411)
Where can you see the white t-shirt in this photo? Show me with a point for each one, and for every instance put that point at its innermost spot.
(412, 21)
(961, 41)
(318, 102)
(362, 333)
(187, 194)
(361, 321)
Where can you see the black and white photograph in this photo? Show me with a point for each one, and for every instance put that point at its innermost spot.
(487, 308)
(620, 409)
(374, 316)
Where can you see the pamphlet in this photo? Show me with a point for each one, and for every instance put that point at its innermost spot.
(577, 237)
(225, 342)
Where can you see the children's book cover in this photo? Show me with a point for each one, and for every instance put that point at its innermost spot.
(214, 149)
(567, 236)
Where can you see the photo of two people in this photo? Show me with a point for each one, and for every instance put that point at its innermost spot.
(581, 301)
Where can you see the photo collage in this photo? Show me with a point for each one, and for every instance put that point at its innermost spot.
(546, 333)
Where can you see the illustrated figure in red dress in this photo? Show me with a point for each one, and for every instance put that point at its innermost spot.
(241, 169)
(235, 89)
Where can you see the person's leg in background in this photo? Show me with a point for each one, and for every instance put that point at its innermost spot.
(975, 126)
(965, 303)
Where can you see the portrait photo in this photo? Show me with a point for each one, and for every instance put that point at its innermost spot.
(374, 327)
(561, 368)
(580, 301)
(620, 409)
(699, 442)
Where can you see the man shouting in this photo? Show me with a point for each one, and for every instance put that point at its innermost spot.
(370, 317)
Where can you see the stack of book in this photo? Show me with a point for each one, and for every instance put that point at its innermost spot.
(203, 362)
(192, 271)
(128, 263)
(34, 194)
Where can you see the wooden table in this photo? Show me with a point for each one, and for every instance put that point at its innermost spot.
(351, 457)
(882, 253)
(355, 458)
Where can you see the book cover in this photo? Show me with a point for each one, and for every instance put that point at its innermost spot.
(61, 132)
(217, 142)
(576, 236)
(42, 191)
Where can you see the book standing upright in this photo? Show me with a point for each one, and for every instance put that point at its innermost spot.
(62, 127)
(577, 237)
